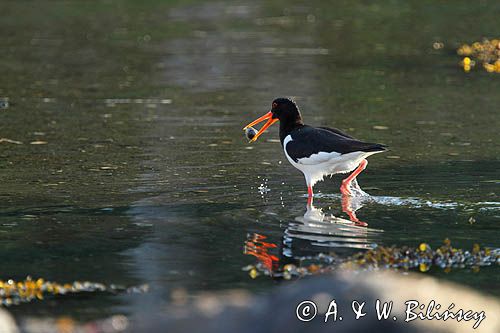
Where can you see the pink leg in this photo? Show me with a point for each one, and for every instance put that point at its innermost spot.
(344, 189)
(309, 195)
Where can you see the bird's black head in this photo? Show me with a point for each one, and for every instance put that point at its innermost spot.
(286, 111)
(283, 109)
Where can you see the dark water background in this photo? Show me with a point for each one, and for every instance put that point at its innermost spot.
(139, 171)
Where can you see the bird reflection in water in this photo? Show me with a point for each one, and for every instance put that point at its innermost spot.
(352, 203)
(314, 236)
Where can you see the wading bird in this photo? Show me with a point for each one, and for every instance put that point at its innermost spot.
(317, 151)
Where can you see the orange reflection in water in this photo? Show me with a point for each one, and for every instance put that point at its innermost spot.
(256, 247)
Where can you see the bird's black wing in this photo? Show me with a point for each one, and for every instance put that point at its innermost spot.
(307, 141)
(336, 131)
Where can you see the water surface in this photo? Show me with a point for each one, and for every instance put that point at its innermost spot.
(129, 165)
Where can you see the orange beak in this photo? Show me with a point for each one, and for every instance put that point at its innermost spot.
(269, 117)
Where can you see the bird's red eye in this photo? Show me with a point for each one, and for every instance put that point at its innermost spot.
(274, 105)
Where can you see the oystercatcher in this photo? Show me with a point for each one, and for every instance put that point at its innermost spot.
(317, 151)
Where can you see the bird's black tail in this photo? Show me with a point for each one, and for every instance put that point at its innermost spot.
(378, 147)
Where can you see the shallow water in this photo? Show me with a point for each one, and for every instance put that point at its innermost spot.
(127, 164)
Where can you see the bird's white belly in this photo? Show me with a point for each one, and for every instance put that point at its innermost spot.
(342, 164)
(327, 164)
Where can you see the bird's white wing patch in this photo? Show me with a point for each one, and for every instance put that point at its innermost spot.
(314, 159)
(319, 158)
